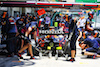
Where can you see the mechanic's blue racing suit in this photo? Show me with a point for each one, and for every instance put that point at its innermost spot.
(32, 25)
(98, 39)
(74, 37)
(11, 33)
(92, 43)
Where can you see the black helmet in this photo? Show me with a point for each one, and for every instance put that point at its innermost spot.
(90, 14)
(69, 16)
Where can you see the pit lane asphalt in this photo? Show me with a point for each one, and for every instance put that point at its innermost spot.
(81, 61)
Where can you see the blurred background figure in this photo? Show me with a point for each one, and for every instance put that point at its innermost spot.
(47, 22)
(17, 17)
(81, 25)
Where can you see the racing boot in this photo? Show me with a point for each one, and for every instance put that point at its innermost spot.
(32, 57)
(19, 55)
(72, 60)
(94, 56)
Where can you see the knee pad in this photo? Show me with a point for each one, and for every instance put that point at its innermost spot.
(82, 53)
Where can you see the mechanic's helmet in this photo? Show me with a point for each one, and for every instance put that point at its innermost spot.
(85, 34)
(90, 14)
(69, 16)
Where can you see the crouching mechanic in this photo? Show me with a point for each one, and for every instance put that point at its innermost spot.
(90, 47)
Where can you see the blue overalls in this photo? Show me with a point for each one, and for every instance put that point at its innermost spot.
(74, 37)
(32, 25)
(98, 39)
(11, 32)
(12, 28)
(92, 43)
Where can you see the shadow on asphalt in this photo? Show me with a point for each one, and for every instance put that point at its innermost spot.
(14, 61)
(21, 63)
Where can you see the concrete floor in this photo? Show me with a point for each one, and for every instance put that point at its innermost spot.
(81, 61)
